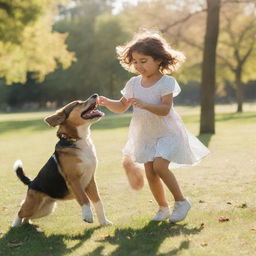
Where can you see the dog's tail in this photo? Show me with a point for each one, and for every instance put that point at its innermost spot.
(134, 172)
(18, 168)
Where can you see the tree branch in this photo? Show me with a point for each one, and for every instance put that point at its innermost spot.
(248, 53)
(186, 18)
(226, 62)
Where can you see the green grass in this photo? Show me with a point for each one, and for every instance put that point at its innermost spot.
(222, 185)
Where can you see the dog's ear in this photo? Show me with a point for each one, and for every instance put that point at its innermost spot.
(55, 119)
(61, 115)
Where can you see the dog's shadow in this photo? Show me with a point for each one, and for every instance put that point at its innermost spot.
(28, 240)
(147, 240)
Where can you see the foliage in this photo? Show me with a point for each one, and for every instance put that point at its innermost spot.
(93, 35)
(183, 24)
(31, 46)
(15, 16)
(237, 42)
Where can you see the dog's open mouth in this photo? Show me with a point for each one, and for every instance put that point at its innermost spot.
(92, 112)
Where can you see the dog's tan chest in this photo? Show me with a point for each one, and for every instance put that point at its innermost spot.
(88, 160)
(87, 153)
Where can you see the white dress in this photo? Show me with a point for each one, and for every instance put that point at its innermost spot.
(152, 136)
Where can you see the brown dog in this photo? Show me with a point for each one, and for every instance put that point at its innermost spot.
(69, 173)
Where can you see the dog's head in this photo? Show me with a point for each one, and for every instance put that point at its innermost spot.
(76, 113)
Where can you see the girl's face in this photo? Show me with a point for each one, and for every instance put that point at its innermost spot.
(145, 64)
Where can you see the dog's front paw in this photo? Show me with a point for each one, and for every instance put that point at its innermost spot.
(87, 213)
(106, 222)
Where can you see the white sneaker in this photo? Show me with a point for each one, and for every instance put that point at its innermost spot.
(162, 214)
(180, 211)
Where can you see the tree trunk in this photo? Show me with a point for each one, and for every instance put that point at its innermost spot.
(239, 90)
(207, 118)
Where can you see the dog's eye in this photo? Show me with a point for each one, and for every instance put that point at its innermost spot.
(68, 110)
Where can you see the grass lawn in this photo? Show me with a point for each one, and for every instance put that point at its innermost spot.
(223, 185)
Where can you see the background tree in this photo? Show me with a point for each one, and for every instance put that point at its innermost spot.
(93, 35)
(207, 116)
(237, 46)
(94, 32)
(15, 16)
(27, 42)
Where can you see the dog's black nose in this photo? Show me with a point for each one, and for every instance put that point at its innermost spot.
(95, 95)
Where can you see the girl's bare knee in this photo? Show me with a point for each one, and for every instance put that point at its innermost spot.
(160, 171)
(157, 167)
(150, 174)
(160, 166)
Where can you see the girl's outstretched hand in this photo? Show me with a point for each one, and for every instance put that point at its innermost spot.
(137, 103)
(102, 101)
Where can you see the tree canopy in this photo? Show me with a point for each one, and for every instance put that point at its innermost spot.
(82, 38)
(27, 42)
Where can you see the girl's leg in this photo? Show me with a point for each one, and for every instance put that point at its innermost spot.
(158, 192)
(182, 205)
(160, 166)
(155, 185)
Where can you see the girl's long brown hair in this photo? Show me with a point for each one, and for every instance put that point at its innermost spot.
(150, 44)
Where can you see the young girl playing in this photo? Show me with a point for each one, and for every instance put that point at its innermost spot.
(157, 136)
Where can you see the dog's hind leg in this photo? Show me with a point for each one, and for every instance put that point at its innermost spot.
(47, 206)
(30, 208)
(17, 221)
(93, 194)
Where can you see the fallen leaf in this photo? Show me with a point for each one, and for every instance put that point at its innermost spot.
(253, 228)
(106, 237)
(202, 225)
(223, 219)
(243, 205)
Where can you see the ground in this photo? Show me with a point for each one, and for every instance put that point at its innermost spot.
(222, 190)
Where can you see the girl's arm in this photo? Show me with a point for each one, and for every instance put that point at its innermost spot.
(116, 106)
(161, 109)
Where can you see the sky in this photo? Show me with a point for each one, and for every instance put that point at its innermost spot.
(118, 4)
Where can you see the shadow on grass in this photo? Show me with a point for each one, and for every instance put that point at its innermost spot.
(110, 122)
(146, 241)
(235, 116)
(26, 240)
(205, 138)
(222, 117)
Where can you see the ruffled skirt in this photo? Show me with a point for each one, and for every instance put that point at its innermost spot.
(181, 150)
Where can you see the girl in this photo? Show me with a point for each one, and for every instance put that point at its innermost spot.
(157, 137)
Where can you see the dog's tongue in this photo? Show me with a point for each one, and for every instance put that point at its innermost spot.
(94, 112)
